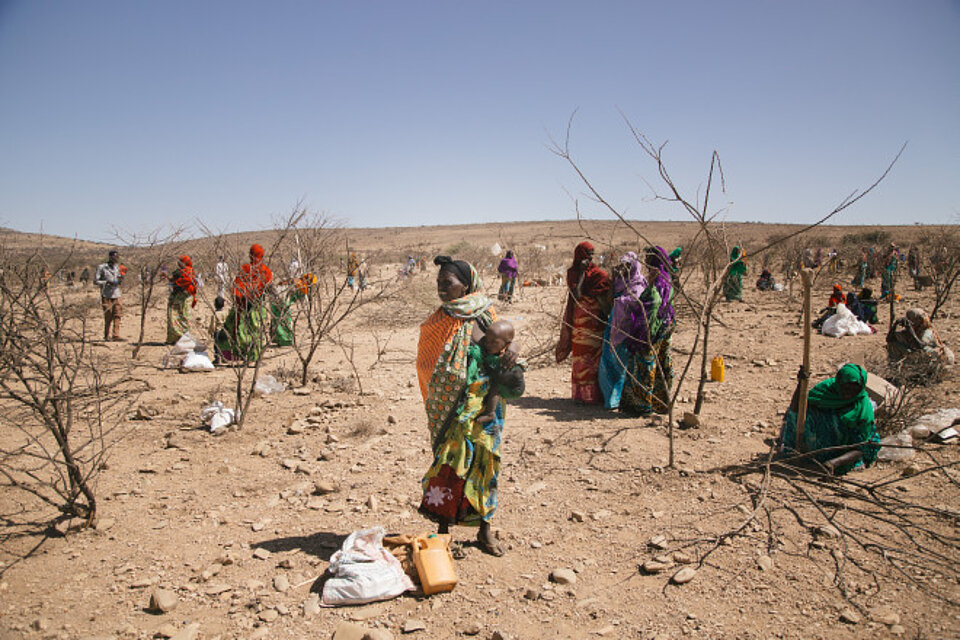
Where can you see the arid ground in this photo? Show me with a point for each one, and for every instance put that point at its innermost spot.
(241, 526)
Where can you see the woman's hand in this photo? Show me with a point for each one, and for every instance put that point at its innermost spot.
(802, 374)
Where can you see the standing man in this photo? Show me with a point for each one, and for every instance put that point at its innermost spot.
(222, 276)
(109, 278)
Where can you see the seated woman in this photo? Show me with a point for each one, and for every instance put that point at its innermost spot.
(765, 282)
(839, 425)
(913, 338)
(869, 305)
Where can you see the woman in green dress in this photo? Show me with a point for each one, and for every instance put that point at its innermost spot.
(183, 285)
(733, 281)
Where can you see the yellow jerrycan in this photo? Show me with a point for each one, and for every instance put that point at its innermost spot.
(717, 369)
(431, 557)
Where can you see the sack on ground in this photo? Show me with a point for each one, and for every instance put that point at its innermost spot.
(196, 361)
(844, 323)
(364, 571)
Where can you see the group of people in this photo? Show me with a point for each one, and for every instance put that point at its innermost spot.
(618, 330)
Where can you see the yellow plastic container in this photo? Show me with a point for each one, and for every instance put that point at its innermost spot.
(717, 369)
(431, 557)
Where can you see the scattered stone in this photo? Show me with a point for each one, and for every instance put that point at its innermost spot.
(40, 624)
(295, 428)
(690, 420)
(684, 576)
(898, 630)
(576, 516)
(658, 542)
(681, 557)
(163, 600)
(261, 554)
(166, 630)
(377, 634)
(269, 615)
(471, 629)
(102, 524)
(301, 391)
(531, 594)
(653, 567)
(174, 440)
(373, 503)
(141, 583)
(849, 616)
(499, 635)
(912, 469)
(885, 615)
(311, 606)
(146, 412)
(189, 632)
(765, 563)
(281, 583)
(391, 419)
(606, 631)
(563, 576)
(217, 589)
(289, 463)
(828, 531)
(412, 625)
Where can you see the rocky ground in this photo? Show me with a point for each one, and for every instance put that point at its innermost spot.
(228, 535)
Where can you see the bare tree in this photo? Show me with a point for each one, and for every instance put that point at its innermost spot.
(710, 231)
(64, 398)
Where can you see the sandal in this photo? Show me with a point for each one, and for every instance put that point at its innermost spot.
(457, 551)
(493, 547)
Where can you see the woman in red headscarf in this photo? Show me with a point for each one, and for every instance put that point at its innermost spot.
(246, 330)
(584, 319)
(183, 285)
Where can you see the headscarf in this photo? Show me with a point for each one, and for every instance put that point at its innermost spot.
(657, 258)
(736, 257)
(918, 316)
(252, 279)
(184, 278)
(508, 266)
(474, 302)
(856, 413)
(627, 289)
(853, 303)
(837, 296)
(596, 282)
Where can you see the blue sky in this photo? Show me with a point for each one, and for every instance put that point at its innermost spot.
(136, 114)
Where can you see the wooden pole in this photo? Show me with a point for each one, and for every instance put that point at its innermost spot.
(806, 275)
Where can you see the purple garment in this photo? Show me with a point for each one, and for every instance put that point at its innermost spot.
(626, 293)
(658, 258)
(508, 266)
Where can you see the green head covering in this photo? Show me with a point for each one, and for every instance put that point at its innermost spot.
(738, 268)
(856, 413)
(676, 253)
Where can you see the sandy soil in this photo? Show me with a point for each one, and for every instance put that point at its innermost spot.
(581, 488)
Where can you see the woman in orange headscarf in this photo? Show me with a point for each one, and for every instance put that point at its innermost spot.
(183, 285)
(584, 320)
(246, 330)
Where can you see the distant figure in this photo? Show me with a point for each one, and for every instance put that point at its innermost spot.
(865, 298)
(733, 281)
(676, 259)
(85, 276)
(888, 276)
(219, 316)
(353, 272)
(765, 282)
(221, 274)
(109, 278)
(914, 339)
(183, 285)
(913, 266)
(294, 269)
(837, 296)
(508, 277)
(863, 269)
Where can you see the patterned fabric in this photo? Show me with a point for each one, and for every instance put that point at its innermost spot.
(461, 484)
(244, 334)
(651, 377)
(178, 316)
(507, 285)
(612, 374)
(251, 282)
(587, 344)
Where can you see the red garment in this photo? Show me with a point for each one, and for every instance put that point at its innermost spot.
(596, 282)
(252, 280)
(837, 297)
(184, 278)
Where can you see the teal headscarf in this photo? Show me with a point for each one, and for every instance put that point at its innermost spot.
(856, 413)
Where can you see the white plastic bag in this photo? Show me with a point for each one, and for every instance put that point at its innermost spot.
(185, 344)
(195, 361)
(363, 571)
(216, 416)
(267, 384)
(844, 323)
(899, 446)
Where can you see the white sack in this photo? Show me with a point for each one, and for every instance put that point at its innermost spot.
(363, 571)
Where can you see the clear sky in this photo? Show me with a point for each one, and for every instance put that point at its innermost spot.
(386, 113)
